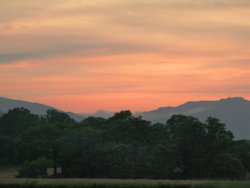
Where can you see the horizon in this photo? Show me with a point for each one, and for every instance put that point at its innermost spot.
(134, 112)
(83, 56)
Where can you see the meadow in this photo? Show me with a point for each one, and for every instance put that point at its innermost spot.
(119, 183)
(8, 180)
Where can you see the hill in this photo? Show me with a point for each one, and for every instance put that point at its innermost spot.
(234, 112)
(36, 108)
(100, 113)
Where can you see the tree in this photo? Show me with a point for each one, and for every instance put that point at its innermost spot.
(34, 169)
(164, 161)
(39, 141)
(74, 150)
(60, 119)
(188, 134)
(17, 120)
(228, 167)
(218, 141)
(120, 147)
(123, 115)
(241, 150)
(7, 150)
(12, 124)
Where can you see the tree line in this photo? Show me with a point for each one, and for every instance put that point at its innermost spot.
(122, 146)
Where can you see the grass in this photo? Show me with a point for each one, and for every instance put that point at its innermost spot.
(7, 172)
(7, 179)
(128, 183)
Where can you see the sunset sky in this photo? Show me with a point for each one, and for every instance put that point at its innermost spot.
(87, 55)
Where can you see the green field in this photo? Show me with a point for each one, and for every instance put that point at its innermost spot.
(8, 180)
(117, 183)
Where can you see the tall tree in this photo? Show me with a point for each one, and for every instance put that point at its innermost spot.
(188, 134)
(17, 120)
(218, 140)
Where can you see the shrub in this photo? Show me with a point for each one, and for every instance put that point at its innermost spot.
(228, 167)
(34, 169)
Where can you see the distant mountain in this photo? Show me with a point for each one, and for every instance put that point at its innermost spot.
(76, 117)
(100, 113)
(234, 112)
(36, 108)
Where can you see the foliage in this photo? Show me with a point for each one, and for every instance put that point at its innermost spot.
(188, 134)
(34, 169)
(122, 146)
(227, 166)
(17, 120)
(123, 115)
(241, 150)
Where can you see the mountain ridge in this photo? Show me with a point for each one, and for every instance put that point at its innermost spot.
(36, 108)
(100, 113)
(234, 112)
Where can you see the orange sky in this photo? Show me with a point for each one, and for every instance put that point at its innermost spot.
(83, 56)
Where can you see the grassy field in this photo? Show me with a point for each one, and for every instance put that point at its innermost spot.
(7, 179)
(117, 183)
(7, 172)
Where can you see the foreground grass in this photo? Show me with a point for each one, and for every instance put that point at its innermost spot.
(119, 183)
(8, 180)
(7, 172)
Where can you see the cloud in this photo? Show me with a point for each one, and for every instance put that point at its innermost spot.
(51, 28)
(124, 50)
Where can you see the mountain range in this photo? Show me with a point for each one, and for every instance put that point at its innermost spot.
(36, 108)
(100, 113)
(234, 112)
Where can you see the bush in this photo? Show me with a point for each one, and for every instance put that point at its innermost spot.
(228, 167)
(34, 169)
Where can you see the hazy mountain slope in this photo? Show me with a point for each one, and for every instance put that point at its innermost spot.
(39, 109)
(6, 104)
(77, 117)
(235, 112)
(100, 113)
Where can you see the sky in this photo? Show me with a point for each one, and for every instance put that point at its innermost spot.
(84, 56)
